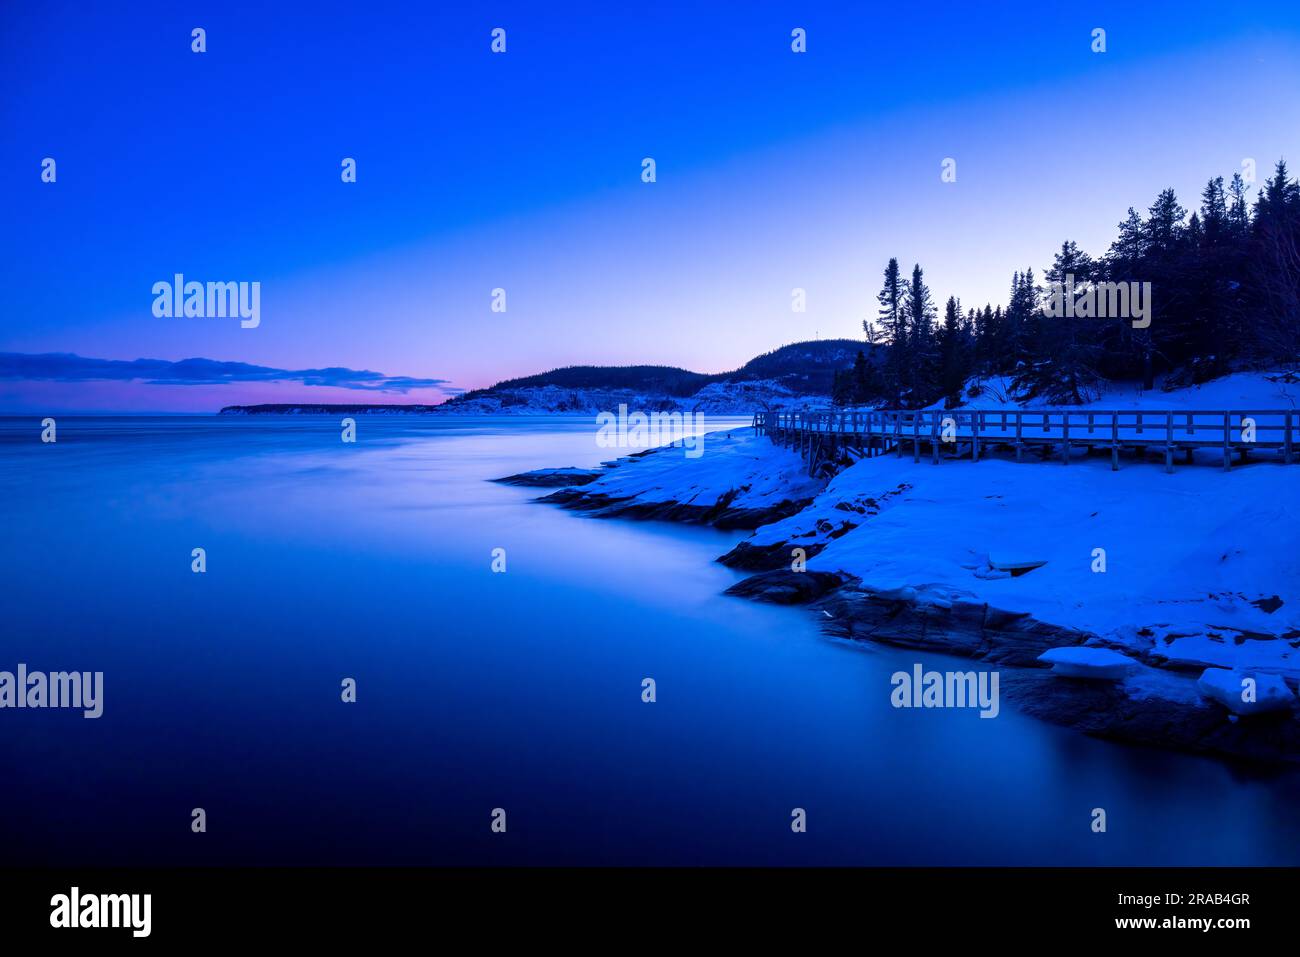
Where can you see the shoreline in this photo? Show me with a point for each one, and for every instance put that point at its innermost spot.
(1160, 700)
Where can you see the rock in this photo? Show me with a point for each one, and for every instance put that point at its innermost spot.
(753, 557)
(784, 587)
(552, 478)
(720, 515)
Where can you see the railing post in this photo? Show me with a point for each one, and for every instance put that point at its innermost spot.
(1286, 440)
(1227, 440)
(934, 438)
(1020, 446)
(1114, 441)
(1169, 441)
(1065, 438)
(975, 436)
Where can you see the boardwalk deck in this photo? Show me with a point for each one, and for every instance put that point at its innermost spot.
(821, 435)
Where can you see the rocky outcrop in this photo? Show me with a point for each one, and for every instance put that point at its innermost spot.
(784, 587)
(1108, 710)
(721, 514)
(552, 478)
(1175, 716)
(751, 557)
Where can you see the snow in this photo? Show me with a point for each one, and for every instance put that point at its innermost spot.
(1085, 662)
(717, 398)
(1228, 687)
(1243, 390)
(1192, 559)
(761, 474)
(1187, 570)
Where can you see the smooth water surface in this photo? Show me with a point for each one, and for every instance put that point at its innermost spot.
(479, 690)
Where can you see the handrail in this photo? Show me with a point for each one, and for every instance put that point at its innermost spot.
(1237, 430)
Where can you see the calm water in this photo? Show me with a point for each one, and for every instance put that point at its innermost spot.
(479, 690)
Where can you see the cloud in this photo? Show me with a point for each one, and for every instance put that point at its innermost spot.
(67, 367)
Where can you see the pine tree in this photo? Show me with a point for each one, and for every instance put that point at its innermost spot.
(1061, 361)
(919, 314)
(894, 326)
(1276, 272)
(952, 354)
(1238, 210)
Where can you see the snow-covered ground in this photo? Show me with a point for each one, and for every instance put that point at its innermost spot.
(1198, 568)
(1186, 556)
(1193, 569)
(1243, 390)
(1190, 574)
(746, 470)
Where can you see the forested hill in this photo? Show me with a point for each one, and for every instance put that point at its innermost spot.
(806, 368)
(796, 373)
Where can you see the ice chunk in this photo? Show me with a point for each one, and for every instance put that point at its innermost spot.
(1083, 662)
(1231, 689)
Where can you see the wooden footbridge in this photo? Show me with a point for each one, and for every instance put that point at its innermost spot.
(825, 436)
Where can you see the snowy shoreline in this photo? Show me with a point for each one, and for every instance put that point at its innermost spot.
(1132, 605)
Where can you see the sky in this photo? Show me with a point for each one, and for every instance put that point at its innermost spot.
(522, 171)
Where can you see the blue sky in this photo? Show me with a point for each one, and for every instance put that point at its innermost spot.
(522, 171)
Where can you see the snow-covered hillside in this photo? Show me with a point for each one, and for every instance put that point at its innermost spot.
(717, 398)
(1244, 390)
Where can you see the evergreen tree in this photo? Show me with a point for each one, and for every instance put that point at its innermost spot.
(952, 354)
(919, 315)
(1061, 364)
(894, 327)
(1275, 244)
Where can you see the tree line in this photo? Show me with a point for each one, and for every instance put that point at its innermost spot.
(1224, 294)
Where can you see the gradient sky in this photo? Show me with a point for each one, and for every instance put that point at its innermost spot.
(522, 171)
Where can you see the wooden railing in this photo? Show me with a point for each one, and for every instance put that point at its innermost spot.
(974, 431)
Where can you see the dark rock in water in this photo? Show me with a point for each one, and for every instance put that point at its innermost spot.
(766, 557)
(720, 515)
(785, 587)
(969, 629)
(1104, 709)
(1015, 640)
(552, 478)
